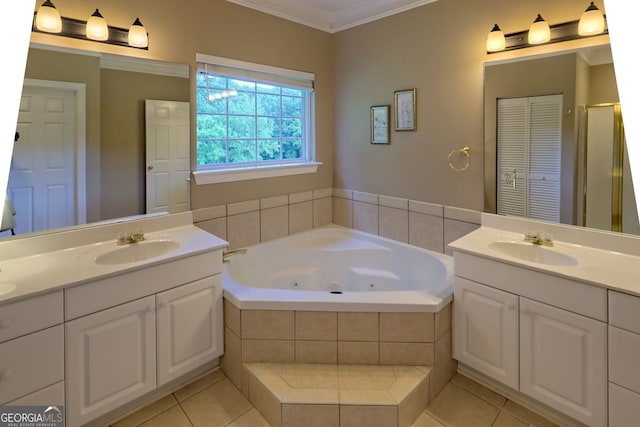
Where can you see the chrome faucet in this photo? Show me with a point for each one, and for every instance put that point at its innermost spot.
(128, 238)
(543, 239)
(228, 254)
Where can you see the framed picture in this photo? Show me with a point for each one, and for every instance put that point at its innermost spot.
(380, 124)
(405, 103)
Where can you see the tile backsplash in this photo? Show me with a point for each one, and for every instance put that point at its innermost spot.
(426, 225)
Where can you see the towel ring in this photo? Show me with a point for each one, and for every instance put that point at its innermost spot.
(467, 158)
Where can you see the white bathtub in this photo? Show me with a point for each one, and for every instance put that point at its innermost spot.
(338, 269)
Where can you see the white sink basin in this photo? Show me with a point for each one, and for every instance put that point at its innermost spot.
(533, 253)
(135, 252)
(5, 288)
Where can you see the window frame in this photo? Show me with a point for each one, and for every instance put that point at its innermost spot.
(210, 174)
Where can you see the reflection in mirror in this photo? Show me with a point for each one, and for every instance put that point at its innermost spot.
(81, 153)
(537, 144)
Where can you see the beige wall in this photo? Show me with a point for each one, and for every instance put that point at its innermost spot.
(439, 49)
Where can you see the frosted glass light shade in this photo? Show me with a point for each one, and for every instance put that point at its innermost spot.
(591, 21)
(495, 40)
(97, 28)
(138, 35)
(48, 18)
(539, 32)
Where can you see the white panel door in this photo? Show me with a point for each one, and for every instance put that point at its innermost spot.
(563, 361)
(167, 156)
(110, 359)
(190, 327)
(486, 330)
(42, 178)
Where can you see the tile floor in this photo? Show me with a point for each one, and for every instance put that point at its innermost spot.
(213, 401)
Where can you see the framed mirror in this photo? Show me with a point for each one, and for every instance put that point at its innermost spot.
(536, 179)
(81, 147)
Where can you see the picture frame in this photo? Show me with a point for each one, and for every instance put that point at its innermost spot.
(405, 110)
(380, 118)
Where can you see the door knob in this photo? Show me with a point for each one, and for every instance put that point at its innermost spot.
(150, 167)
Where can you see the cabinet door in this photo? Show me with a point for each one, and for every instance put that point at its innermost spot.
(190, 327)
(485, 335)
(563, 361)
(110, 359)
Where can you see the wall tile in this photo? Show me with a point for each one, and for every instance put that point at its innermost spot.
(310, 415)
(274, 223)
(357, 326)
(342, 193)
(365, 197)
(232, 317)
(265, 402)
(365, 217)
(316, 351)
(461, 214)
(267, 324)
(274, 202)
(406, 327)
(243, 207)
(300, 217)
(316, 325)
(426, 231)
(370, 416)
(305, 196)
(393, 202)
(243, 230)
(414, 404)
(342, 212)
(268, 351)
(397, 353)
(217, 227)
(443, 321)
(426, 208)
(212, 212)
(231, 360)
(358, 352)
(394, 224)
(322, 193)
(453, 230)
(322, 211)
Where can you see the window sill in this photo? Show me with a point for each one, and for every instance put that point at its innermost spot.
(256, 172)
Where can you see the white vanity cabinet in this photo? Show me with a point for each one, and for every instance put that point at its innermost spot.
(129, 334)
(190, 327)
(624, 356)
(32, 351)
(511, 324)
(110, 358)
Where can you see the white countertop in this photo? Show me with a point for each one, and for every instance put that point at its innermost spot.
(38, 273)
(605, 268)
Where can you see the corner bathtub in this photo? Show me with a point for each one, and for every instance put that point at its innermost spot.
(338, 269)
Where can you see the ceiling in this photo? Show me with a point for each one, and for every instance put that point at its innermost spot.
(332, 15)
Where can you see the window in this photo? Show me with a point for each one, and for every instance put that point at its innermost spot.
(252, 121)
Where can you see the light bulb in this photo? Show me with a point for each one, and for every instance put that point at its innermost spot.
(138, 35)
(48, 18)
(591, 21)
(97, 27)
(495, 40)
(539, 31)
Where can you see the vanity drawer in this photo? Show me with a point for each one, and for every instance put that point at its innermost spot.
(624, 354)
(31, 362)
(30, 315)
(624, 311)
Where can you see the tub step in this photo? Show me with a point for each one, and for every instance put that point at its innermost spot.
(302, 394)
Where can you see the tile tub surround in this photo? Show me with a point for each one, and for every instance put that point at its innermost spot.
(426, 225)
(364, 338)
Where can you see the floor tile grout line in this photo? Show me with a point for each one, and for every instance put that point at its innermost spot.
(185, 413)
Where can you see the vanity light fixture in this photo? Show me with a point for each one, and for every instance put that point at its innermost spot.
(495, 39)
(539, 31)
(48, 18)
(591, 21)
(95, 29)
(138, 34)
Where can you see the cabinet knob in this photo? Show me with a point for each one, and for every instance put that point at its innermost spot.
(511, 305)
(524, 309)
(5, 375)
(150, 308)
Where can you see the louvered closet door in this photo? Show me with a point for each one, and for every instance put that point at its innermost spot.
(529, 144)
